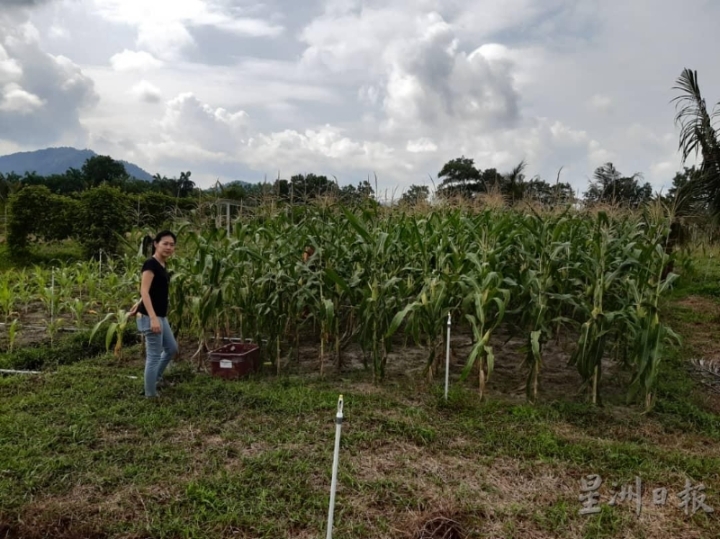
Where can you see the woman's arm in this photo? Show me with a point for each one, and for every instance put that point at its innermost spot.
(134, 309)
(146, 281)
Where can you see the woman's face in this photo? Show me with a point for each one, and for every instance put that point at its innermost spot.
(166, 246)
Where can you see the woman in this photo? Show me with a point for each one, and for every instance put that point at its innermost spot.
(160, 344)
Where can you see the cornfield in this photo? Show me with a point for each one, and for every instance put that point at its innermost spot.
(374, 272)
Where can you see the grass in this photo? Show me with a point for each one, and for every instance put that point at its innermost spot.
(82, 454)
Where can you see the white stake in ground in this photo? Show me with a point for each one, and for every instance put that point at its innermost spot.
(52, 297)
(447, 359)
(336, 457)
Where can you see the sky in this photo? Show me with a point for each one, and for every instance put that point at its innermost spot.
(388, 90)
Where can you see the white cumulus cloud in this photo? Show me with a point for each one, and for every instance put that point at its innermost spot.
(13, 99)
(147, 92)
(128, 60)
(42, 94)
(163, 26)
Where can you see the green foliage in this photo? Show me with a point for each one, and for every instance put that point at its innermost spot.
(548, 195)
(65, 351)
(415, 195)
(304, 187)
(72, 181)
(153, 209)
(25, 216)
(104, 217)
(698, 134)
(461, 178)
(37, 214)
(103, 169)
(355, 196)
(62, 215)
(611, 187)
(176, 188)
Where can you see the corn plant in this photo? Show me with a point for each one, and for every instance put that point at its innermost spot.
(79, 309)
(540, 261)
(199, 287)
(484, 307)
(647, 331)
(379, 291)
(13, 330)
(607, 257)
(116, 329)
(7, 296)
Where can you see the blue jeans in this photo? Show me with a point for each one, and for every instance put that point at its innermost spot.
(160, 349)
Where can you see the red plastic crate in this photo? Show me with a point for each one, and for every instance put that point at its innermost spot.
(234, 360)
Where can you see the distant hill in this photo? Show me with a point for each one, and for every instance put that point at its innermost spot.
(58, 161)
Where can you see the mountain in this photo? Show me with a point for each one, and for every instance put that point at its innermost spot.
(57, 161)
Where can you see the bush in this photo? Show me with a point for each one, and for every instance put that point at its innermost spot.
(35, 213)
(25, 216)
(104, 216)
(155, 209)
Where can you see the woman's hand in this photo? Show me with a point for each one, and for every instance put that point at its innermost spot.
(155, 324)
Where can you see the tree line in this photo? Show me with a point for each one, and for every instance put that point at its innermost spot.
(98, 170)
(101, 202)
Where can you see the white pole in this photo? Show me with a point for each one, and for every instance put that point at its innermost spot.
(447, 359)
(52, 297)
(336, 457)
(12, 371)
(228, 219)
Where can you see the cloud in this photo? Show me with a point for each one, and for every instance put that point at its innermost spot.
(41, 94)
(24, 3)
(421, 145)
(13, 99)
(128, 60)
(410, 62)
(10, 69)
(188, 122)
(58, 32)
(164, 26)
(360, 86)
(601, 103)
(435, 87)
(146, 92)
(214, 137)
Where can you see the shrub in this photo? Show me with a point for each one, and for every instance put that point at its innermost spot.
(104, 216)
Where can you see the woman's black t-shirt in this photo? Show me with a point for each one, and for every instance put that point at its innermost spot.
(159, 288)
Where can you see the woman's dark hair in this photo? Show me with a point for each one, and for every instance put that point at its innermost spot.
(159, 236)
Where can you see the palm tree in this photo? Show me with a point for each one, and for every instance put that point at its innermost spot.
(515, 183)
(697, 135)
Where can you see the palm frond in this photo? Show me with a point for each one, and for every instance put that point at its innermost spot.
(697, 134)
(692, 115)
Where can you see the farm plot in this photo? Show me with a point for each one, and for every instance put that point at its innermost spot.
(374, 278)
